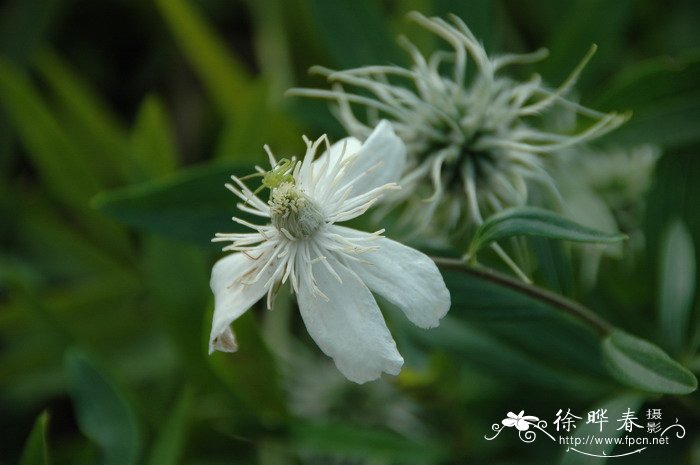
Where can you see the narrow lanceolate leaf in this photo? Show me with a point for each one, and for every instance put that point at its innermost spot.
(170, 443)
(66, 170)
(62, 167)
(532, 221)
(677, 281)
(512, 333)
(190, 205)
(85, 116)
(152, 147)
(641, 364)
(225, 79)
(103, 414)
(35, 449)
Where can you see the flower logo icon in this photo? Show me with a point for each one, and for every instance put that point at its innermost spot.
(520, 421)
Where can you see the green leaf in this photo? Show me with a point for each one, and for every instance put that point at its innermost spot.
(364, 443)
(102, 412)
(520, 351)
(677, 281)
(242, 138)
(225, 79)
(63, 168)
(614, 408)
(86, 118)
(252, 373)
(178, 278)
(62, 250)
(651, 82)
(190, 205)
(674, 194)
(663, 95)
(35, 448)
(532, 221)
(583, 23)
(272, 43)
(640, 364)
(672, 124)
(512, 334)
(152, 147)
(360, 21)
(66, 170)
(554, 269)
(170, 443)
(250, 108)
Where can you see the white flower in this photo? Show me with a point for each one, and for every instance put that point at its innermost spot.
(331, 268)
(520, 421)
(473, 143)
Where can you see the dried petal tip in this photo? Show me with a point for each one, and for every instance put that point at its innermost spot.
(224, 342)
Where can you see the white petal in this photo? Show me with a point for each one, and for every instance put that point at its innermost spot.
(405, 277)
(509, 422)
(345, 147)
(231, 297)
(349, 328)
(383, 156)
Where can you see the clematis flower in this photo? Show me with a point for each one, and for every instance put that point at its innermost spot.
(331, 268)
(520, 421)
(477, 141)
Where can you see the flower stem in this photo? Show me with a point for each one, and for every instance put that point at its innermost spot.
(572, 308)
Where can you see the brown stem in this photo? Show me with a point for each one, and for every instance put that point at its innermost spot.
(578, 311)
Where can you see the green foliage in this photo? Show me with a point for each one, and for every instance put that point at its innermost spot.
(224, 77)
(508, 331)
(243, 102)
(190, 205)
(152, 147)
(532, 221)
(171, 442)
(63, 167)
(677, 275)
(364, 443)
(103, 413)
(585, 22)
(644, 366)
(663, 95)
(113, 158)
(86, 118)
(36, 450)
(357, 21)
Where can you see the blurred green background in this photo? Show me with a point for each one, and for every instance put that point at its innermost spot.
(120, 121)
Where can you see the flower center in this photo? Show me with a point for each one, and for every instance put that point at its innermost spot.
(294, 211)
(451, 171)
